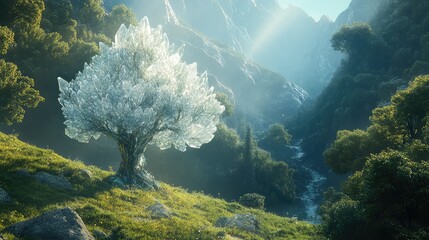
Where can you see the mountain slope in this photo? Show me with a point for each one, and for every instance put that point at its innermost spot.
(367, 79)
(262, 97)
(251, 86)
(288, 41)
(121, 212)
(232, 73)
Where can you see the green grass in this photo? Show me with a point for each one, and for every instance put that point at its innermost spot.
(122, 212)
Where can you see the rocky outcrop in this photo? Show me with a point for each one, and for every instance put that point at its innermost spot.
(85, 174)
(246, 222)
(60, 224)
(4, 196)
(53, 181)
(159, 210)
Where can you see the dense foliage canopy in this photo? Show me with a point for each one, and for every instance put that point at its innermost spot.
(385, 196)
(46, 38)
(16, 92)
(381, 58)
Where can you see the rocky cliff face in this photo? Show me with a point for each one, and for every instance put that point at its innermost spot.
(226, 37)
(286, 41)
(359, 11)
(261, 96)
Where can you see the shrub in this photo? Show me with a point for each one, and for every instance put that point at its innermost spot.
(252, 200)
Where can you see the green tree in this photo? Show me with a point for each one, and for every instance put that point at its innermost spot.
(6, 39)
(16, 93)
(274, 178)
(344, 220)
(276, 136)
(248, 166)
(392, 127)
(92, 14)
(412, 105)
(348, 152)
(120, 14)
(26, 13)
(354, 40)
(229, 108)
(383, 201)
(224, 150)
(394, 188)
(386, 131)
(395, 174)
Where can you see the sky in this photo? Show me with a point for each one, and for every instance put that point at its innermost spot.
(317, 8)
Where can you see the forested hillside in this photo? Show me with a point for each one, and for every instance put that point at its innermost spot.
(382, 56)
(47, 39)
(146, 99)
(385, 197)
(380, 96)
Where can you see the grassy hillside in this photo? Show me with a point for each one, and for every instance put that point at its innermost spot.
(122, 212)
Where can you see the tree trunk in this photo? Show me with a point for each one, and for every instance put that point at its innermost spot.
(131, 173)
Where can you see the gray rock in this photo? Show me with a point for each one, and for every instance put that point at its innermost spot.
(60, 224)
(53, 181)
(85, 174)
(159, 210)
(4, 196)
(247, 222)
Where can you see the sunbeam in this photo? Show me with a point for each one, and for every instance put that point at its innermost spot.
(270, 29)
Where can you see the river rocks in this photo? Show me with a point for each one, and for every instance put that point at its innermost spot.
(4, 196)
(53, 181)
(159, 210)
(247, 222)
(60, 224)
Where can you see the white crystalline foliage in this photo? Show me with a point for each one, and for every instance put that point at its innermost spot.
(140, 91)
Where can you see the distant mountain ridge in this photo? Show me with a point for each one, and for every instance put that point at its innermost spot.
(287, 41)
(262, 97)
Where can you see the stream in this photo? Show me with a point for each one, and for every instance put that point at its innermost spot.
(312, 194)
(312, 186)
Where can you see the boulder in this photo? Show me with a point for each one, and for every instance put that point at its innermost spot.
(85, 174)
(4, 196)
(247, 222)
(60, 224)
(53, 181)
(159, 210)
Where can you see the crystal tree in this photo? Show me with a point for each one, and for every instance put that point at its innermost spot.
(139, 92)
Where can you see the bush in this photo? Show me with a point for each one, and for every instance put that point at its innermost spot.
(252, 200)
